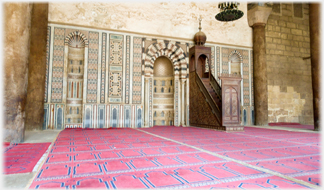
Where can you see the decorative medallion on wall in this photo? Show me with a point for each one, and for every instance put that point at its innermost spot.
(115, 68)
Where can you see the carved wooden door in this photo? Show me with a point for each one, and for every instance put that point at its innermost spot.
(231, 106)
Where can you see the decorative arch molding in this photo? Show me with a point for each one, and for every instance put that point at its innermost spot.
(234, 54)
(175, 53)
(76, 37)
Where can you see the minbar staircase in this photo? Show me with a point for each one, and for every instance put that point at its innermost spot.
(212, 105)
(224, 101)
(216, 98)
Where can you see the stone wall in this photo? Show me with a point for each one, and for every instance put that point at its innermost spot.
(178, 20)
(289, 75)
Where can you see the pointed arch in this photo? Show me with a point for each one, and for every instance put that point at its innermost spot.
(170, 50)
(235, 60)
(235, 56)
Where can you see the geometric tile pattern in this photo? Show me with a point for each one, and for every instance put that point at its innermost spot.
(115, 84)
(58, 65)
(93, 67)
(48, 42)
(225, 59)
(103, 68)
(116, 49)
(246, 85)
(137, 70)
(127, 82)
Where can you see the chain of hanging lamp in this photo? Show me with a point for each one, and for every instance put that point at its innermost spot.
(229, 11)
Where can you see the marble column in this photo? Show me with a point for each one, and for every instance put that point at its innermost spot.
(146, 102)
(315, 39)
(17, 22)
(182, 100)
(257, 18)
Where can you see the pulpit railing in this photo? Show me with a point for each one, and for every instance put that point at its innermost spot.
(214, 84)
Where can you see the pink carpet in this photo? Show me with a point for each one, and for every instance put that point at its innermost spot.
(22, 158)
(127, 158)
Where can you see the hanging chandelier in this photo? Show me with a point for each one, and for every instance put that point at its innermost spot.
(229, 11)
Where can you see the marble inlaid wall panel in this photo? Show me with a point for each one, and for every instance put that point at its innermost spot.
(59, 120)
(93, 67)
(115, 79)
(212, 60)
(137, 70)
(225, 59)
(114, 115)
(46, 116)
(139, 116)
(103, 67)
(48, 42)
(246, 80)
(58, 65)
(87, 116)
(127, 116)
(127, 70)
